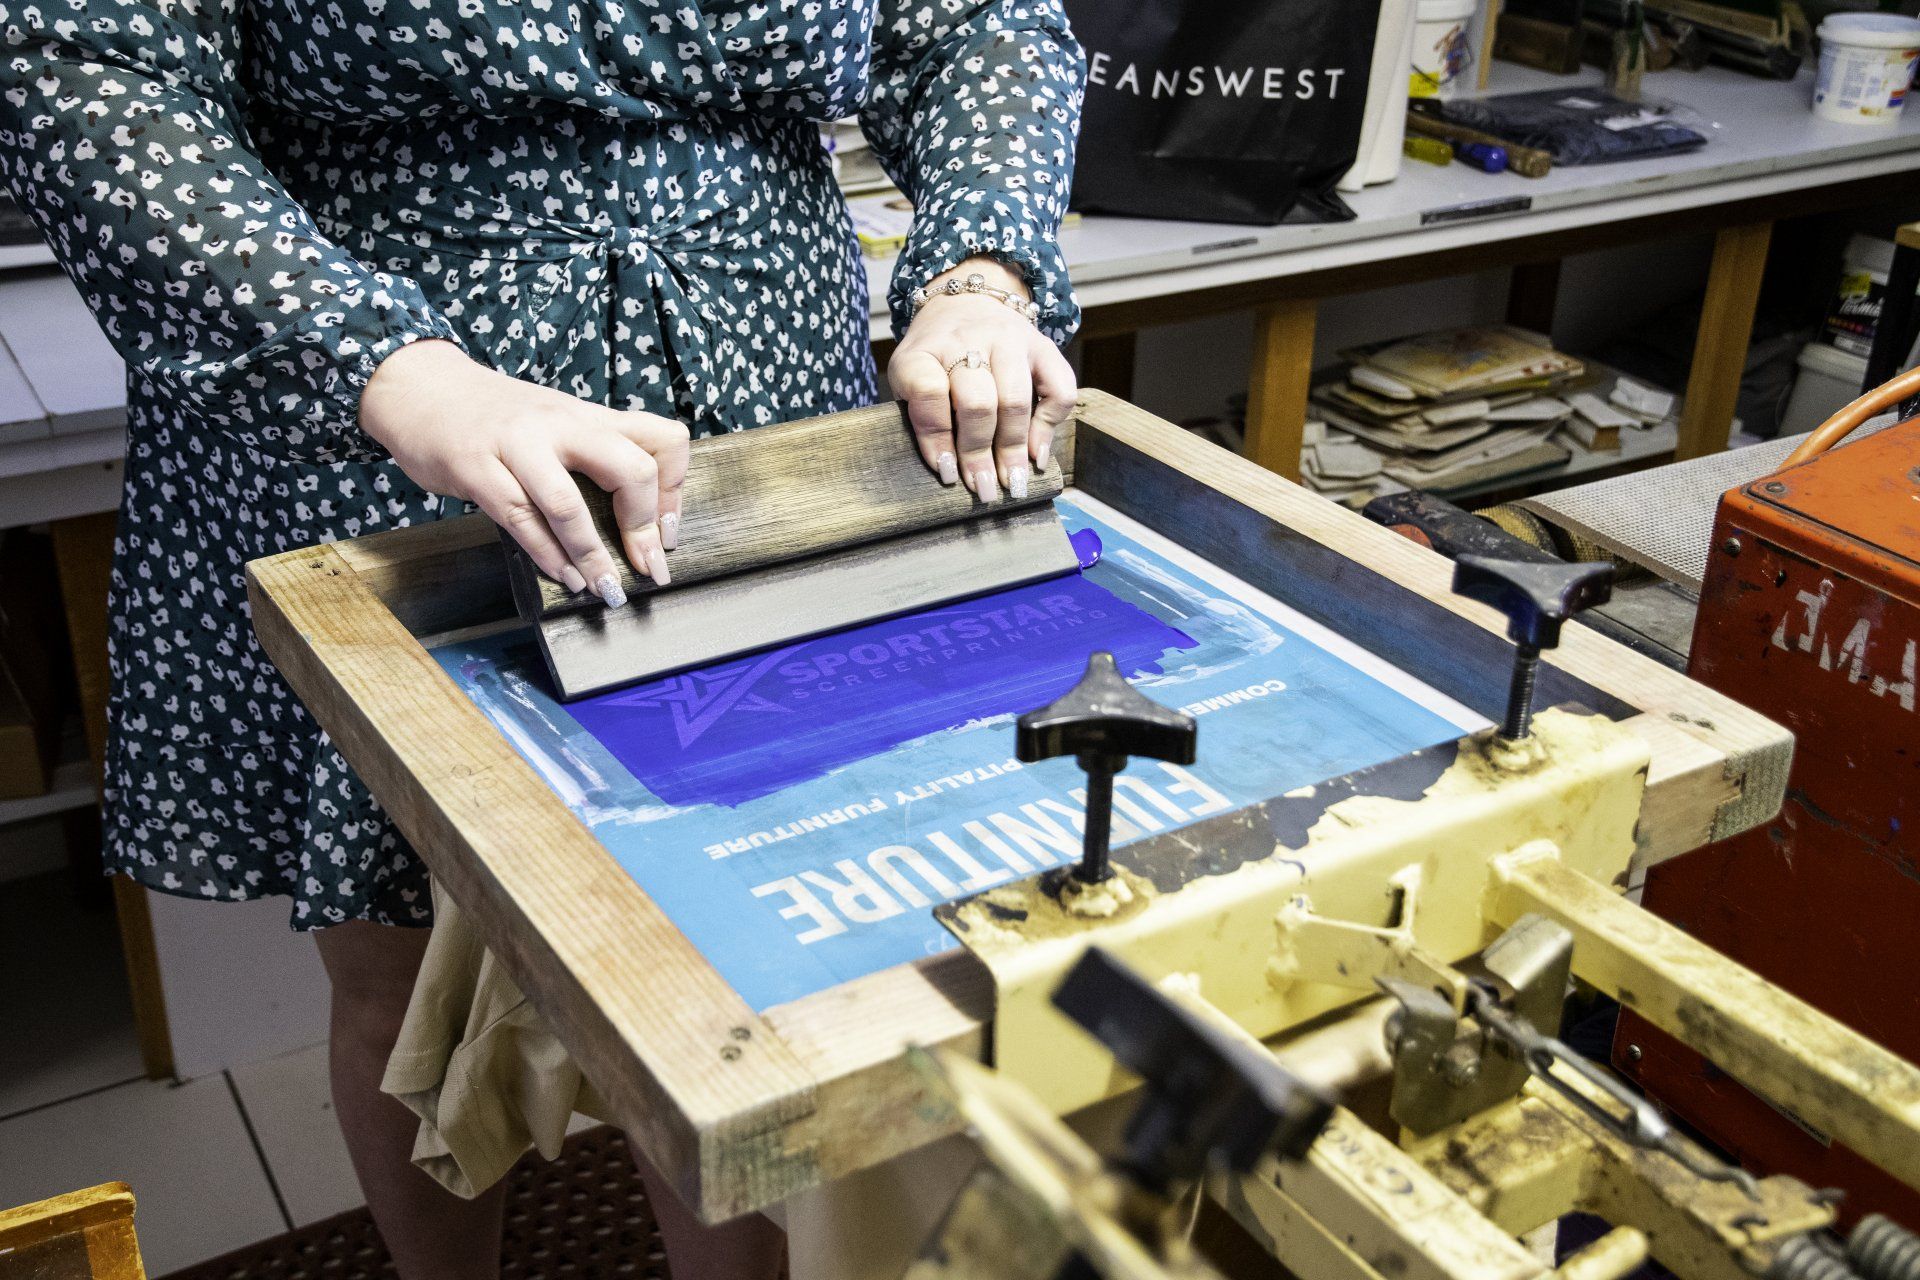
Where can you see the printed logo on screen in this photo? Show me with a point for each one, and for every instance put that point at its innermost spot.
(942, 638)
(1013, 635)
(699, 700)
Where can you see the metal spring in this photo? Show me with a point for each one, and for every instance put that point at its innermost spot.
(1803, 1257)
(1882, 1249)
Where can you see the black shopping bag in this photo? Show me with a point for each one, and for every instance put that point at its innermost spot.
(1221, 111)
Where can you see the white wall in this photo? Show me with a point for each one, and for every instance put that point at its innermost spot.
(241, 986)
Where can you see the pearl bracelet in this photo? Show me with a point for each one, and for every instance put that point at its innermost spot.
(975, 283)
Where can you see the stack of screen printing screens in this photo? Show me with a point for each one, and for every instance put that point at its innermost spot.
(1460, 408)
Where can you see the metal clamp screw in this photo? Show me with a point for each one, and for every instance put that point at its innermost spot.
(1103, 720)
(1537, 599)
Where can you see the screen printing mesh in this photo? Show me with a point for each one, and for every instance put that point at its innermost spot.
(797, 813)
(1663, 518)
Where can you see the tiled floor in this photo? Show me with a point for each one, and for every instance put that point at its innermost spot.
(201, 1186)
(219, 1162)
(222, 1161)
(287, 1101)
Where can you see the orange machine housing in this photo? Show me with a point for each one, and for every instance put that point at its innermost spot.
(1810, 613)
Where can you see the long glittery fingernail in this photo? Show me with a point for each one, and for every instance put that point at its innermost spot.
(1017, 481)
(949, 469)
(608, 588)
(573, 580)
(657, 562)
(1045, 456)
(670, 530)
(985, 487)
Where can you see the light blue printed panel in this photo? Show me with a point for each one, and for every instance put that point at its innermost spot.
(797, 812)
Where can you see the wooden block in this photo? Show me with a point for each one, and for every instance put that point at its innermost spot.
(1534, 42)
(85, 1235)
(764, 497)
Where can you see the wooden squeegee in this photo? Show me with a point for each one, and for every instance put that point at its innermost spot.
(788, 533)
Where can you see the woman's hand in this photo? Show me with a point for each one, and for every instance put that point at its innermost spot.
(460, 429)
(981, 425)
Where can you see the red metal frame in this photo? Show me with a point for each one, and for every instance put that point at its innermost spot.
(1810, 613)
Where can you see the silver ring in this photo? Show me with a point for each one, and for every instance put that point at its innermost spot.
(974, 359)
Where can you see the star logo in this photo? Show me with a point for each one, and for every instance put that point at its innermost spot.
(699, 699)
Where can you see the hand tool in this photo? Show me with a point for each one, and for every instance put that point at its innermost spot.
(1528, 162)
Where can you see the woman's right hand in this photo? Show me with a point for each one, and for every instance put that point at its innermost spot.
(463, 430)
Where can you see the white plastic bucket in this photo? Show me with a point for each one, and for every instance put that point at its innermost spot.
(1440, 50)
(1826, 382)
(1866, 66)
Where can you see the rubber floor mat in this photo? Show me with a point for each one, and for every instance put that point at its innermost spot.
(581, 1217)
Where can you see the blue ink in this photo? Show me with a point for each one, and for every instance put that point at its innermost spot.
(732, 733)
(1087, 546)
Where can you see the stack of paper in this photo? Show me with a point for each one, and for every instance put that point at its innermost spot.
(1464, 407)
(1455, 407)
(1337, 466)
(1453, 365)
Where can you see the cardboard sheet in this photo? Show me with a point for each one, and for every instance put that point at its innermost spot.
(797, 813)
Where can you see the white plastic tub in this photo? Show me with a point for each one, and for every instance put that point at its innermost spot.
(1828, 381)
(1866, 67)
(1440, 46)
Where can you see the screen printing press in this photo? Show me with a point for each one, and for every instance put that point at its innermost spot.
(770, 853)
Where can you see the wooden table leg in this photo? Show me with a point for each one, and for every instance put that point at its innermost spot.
(1282, 376)
(83, 550)
(1107, 363)
(1726, 329)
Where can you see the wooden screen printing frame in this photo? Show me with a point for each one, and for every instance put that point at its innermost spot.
(745, 1109)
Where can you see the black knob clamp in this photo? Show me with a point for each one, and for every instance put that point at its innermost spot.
(1103, 720)
(1536, 598)
(1211, 1101)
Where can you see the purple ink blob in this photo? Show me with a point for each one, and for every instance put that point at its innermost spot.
(1087, 546)
(752, 726)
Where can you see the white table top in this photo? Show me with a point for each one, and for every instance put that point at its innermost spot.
(1763, 138)
(59, 382)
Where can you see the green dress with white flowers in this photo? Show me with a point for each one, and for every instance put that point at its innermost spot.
(623, 199)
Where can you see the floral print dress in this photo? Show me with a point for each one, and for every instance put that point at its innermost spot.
(623, 199)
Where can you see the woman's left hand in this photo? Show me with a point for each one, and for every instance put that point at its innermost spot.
(984, 426)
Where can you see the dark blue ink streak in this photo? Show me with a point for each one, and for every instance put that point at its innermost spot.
(747, 728)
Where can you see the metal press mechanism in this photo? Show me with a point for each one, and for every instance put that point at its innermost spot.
(1409, 946)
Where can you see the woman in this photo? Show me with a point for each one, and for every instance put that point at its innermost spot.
(372, 260)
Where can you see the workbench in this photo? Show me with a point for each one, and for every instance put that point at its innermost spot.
(1767, 158)
(750, 1108)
